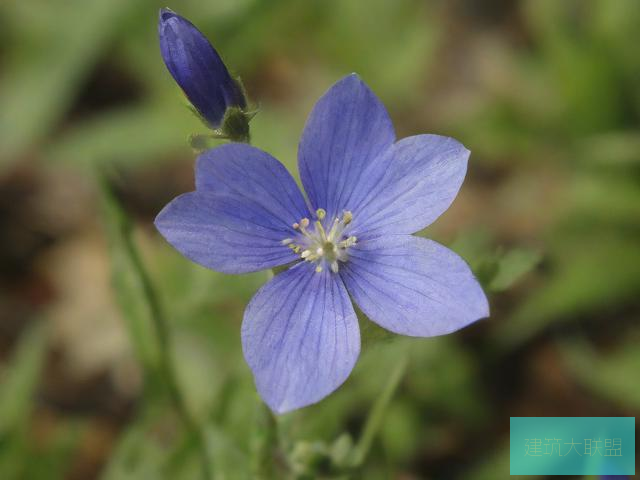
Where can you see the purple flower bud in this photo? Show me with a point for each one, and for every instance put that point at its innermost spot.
(197, 68)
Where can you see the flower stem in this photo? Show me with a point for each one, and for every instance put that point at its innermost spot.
(165, 365)
(376, 415)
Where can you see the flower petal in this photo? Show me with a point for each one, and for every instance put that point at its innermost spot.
(420, 178)
(227, 233)
(197, 68)
(300, 337)
(347, 129)
(413, 286)
(248, 172)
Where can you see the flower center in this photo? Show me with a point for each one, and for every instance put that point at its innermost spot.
(317, 245)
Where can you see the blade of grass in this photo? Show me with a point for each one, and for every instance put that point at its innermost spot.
(21, 379)
(18, 385)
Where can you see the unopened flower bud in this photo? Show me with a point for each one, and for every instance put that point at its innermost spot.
(202, 75)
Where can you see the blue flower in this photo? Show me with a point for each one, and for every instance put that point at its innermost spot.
(197, 68)
(367, 193)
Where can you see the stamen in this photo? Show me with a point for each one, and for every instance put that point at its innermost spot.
(316, 246)
(302, 228)
(320, 229)
(348, 242)
(334, 229)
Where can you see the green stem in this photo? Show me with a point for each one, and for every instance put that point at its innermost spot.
(376, 415)
(161, 326)
(166, 357)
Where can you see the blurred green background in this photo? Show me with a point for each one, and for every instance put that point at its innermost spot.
(545, 94)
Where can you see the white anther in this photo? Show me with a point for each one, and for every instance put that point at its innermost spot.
(316, 245)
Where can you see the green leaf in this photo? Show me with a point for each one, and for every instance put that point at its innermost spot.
(496, 269)
(512, 266)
